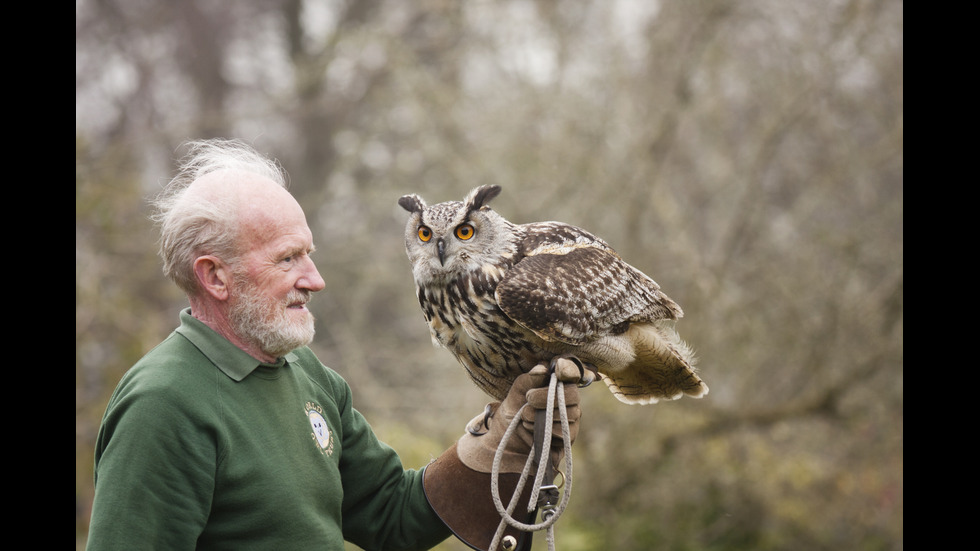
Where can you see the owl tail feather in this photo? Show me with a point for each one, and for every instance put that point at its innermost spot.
(663, 367)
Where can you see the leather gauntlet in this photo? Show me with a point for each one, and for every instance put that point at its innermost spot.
(457, 484)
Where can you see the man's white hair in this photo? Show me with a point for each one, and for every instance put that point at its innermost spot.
(190, 225)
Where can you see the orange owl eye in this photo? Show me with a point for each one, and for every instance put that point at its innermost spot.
(464, 231)
(425, 233)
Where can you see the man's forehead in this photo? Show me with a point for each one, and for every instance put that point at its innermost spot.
(266, 211)
(234, 183)
(276, 221)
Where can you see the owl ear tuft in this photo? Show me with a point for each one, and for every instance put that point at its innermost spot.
(412, 203)
(480, 197)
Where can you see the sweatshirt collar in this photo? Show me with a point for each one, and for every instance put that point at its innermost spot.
(231, 360)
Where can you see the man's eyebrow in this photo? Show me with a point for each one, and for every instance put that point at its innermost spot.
(299, 250)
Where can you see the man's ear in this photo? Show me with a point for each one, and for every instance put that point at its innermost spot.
(213, 275)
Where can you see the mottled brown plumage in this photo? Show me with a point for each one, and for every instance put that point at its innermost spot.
(503, 297)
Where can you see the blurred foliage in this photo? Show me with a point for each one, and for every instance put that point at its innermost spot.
(747, 155)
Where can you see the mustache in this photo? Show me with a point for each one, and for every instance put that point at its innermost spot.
(298, 296)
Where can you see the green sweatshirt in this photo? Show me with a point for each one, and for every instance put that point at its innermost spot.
(203, 447)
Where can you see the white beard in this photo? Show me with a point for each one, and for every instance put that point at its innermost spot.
(267, 323)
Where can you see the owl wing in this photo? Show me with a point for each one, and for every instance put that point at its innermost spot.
(572, 287)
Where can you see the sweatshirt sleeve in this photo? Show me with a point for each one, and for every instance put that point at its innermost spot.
(154, 471)
(384, 503)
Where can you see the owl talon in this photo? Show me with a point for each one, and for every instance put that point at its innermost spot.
(589, 375)
(487, 414)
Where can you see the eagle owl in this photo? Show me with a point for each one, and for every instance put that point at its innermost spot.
(503, 297)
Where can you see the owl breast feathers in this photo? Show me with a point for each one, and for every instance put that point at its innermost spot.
(503, 297)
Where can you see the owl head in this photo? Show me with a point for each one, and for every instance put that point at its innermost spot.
(447, 239)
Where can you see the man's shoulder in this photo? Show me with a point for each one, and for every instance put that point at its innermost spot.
(174, 351)
(169, 367)
(170, 387)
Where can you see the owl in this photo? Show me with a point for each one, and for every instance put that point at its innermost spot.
(504, 297)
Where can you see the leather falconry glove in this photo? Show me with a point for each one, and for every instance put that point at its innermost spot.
(457, 484)
(484, 432)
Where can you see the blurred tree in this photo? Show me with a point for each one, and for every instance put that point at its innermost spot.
(747, 155)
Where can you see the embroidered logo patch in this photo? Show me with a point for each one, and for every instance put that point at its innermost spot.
(321, 432)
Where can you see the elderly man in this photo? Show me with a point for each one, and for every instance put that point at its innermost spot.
(231, 434)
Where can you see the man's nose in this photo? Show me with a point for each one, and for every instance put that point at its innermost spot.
(311, 279)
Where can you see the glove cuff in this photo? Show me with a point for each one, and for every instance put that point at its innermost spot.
(462, 498)
(477, 453)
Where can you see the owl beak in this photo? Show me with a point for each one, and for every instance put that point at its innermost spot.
(441, 246)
